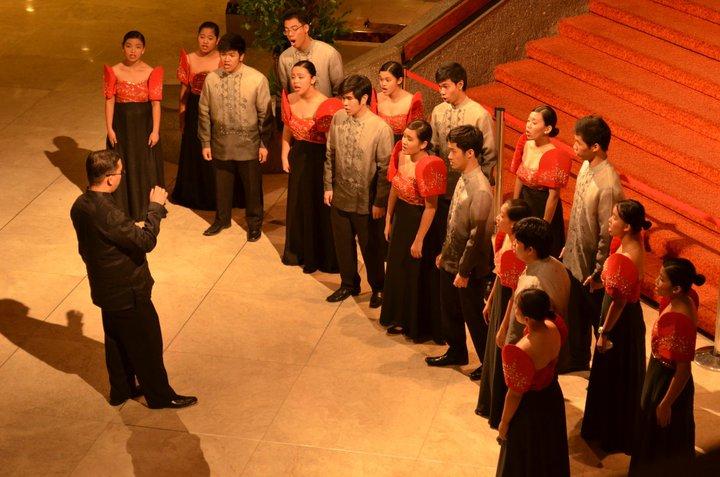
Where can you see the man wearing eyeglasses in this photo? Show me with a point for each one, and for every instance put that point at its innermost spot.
(327, 60)
(113, 249)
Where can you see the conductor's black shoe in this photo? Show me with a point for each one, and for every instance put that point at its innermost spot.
(178, 402)
(476, 374)
(395, 330)
(342, 293)
(253, 235)
(216, 228)
(376, 299)
(446, 360)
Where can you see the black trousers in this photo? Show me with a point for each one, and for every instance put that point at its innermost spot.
(134, 348)
(369, 232)
(583, 319)
(460, 306)
(251, 178)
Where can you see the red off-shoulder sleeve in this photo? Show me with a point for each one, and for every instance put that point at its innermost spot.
(518, 155)
(416, 108)
(431, 176)
(155, 84)
(554, 169)
(394, 161)
(621, 278)
(562, 327)
(109, 82)
(499, 239)
(510, 268)
(373, 102)
(183, 71)
(674, 337)
(518, 368)
(325, 113)
(285, 111)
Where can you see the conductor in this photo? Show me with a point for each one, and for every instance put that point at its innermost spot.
(113, 249)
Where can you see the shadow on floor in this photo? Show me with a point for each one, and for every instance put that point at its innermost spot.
(70, 159)
(175, 457)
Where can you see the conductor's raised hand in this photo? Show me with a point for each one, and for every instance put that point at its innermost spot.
(158, 195)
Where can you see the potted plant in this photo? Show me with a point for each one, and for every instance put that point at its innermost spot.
(258, 21)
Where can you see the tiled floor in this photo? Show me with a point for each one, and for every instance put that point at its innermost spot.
(288, 384)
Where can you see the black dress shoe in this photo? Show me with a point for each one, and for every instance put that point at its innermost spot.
(477, 374)
(446, 360)
(178, 402)
(342, 293)
(376, 299)
(254, 235)
(216, 228)
(395, 330)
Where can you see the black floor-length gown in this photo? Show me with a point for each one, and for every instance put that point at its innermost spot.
(671, 447)
(308, 233)
(408, 298)
(133, 122)
(536, 443)
(491, 397)
(617, 375)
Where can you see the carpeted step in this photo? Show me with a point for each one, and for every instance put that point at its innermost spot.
(663, 22)
(648, 131)
(636, 85)
(706, 9)
(670, 228)
(705, 193)
(658, 56)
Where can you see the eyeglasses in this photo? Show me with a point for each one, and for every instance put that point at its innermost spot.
(292, 29)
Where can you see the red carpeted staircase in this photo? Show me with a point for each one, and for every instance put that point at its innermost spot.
(651, 68)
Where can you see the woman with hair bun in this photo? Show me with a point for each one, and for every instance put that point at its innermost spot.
(541, 170)
(532, 431)
(396, 106)
(666, 433)
(417, 179)
(508, 268)
(618, 366)
(133, 91)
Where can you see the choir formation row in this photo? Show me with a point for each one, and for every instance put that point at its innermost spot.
(417, 196)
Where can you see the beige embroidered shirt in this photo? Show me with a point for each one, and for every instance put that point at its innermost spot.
(326, 59)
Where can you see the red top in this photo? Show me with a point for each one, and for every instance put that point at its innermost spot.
(309, 129)
(399, 122)
(127, 92)
(509, 267)
(553, 170)
(519, 369)
(673, 339)
(621, 278)
(187, 77)
(430, 178)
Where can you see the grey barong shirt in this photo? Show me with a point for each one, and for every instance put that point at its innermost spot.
(467, 248)
(587, 246)
(235, 116)
(327, 61)
(445, 116)
(356, 162)
(549, 275)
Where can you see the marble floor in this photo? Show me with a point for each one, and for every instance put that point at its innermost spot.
(288, 384)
